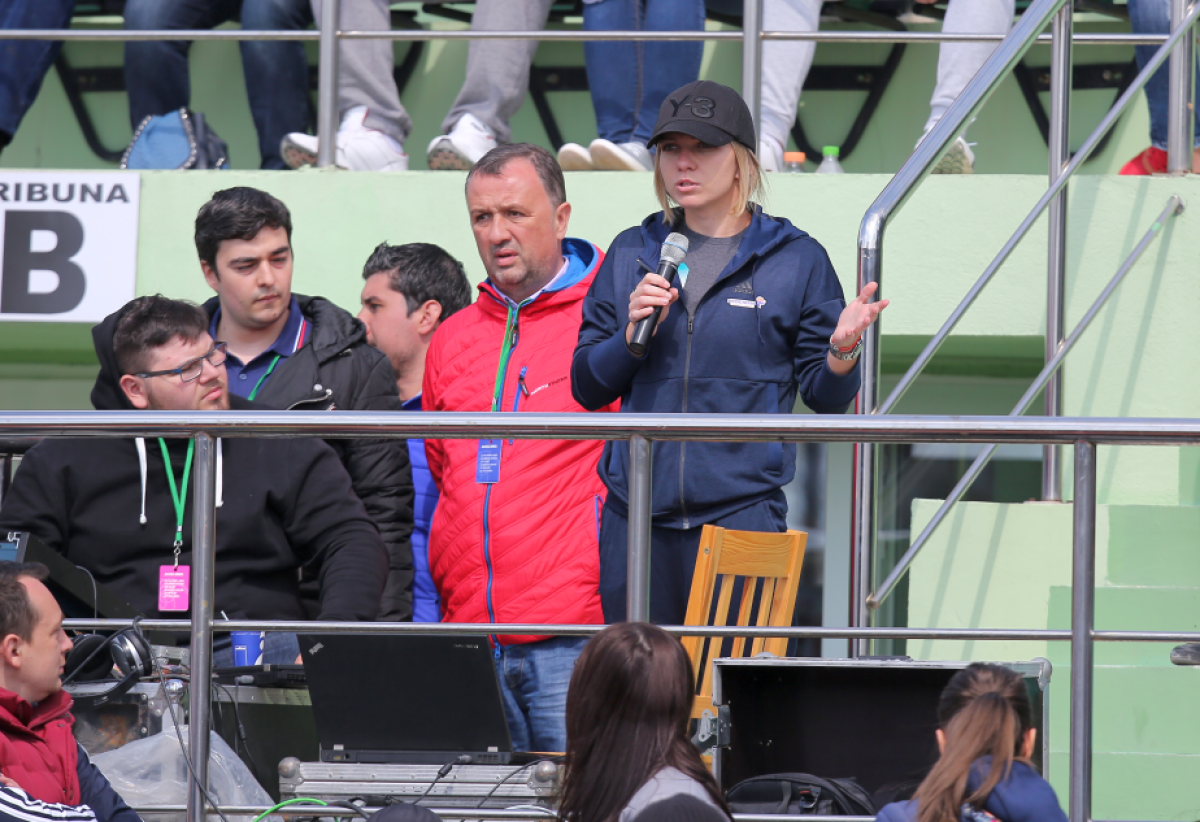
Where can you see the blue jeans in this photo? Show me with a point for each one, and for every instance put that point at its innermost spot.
(1154, 17)
(672, 559)
(278, 649)
(23, 63)
(628, 80)
(156, 73)
(533, 681)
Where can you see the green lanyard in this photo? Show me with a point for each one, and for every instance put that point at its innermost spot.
(263, 378)
(178, 497)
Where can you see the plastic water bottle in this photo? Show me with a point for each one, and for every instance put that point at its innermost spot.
(793, 162)
(830, 164)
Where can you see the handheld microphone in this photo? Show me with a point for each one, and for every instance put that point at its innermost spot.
(674, 249)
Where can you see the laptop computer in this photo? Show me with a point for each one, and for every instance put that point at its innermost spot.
(412, 699)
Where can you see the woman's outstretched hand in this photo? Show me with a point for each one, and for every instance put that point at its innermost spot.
(856, 317)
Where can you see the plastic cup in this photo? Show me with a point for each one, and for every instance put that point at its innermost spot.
(248, 647)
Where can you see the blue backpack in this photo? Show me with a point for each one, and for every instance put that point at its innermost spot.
(180, 139)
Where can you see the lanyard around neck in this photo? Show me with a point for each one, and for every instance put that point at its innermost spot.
(296, 347)
(178, 496)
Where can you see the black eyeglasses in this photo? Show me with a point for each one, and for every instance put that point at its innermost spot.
(192, 369)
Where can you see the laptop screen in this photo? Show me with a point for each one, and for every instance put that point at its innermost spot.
(377, 696)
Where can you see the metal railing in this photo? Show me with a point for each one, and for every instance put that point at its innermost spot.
(1178, 47)
(639, 429)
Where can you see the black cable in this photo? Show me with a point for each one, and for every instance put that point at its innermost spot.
(162, 683)
(240, 734)
(95, 593)
(513, 773)
(346, 803)
(465, 759)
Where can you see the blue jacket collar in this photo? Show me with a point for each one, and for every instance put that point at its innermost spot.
(583, 258)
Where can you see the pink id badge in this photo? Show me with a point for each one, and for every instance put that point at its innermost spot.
(174, 582)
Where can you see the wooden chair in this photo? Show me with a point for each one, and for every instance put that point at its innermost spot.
(770, 564)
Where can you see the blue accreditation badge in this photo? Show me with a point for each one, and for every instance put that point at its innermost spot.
(487, 465)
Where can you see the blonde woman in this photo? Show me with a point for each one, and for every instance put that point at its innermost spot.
(755, 315)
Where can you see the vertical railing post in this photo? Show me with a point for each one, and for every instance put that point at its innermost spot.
(204, 549)
(752, 44)
(1060, 155)
(1181, 108)
(1083, 612)
(327, 84)
(863, 525)
(641, 464)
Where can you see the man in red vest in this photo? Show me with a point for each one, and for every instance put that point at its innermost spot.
(38, 751)
(515, 534)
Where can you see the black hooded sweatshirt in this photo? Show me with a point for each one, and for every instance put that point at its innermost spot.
(281, 503)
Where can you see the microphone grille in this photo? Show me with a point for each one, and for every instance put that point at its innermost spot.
(675, 248)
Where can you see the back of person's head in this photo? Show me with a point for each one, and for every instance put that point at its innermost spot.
(147, 323)
(237, 214)
(422, 272)
(17, 613)
(984, 711)
(628, 708)
(544, 163)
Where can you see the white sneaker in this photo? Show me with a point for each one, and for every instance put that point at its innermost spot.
(608, 156)
(958, 160)
(574, 157)
(770, 155)
(358, 148)
(469, 140)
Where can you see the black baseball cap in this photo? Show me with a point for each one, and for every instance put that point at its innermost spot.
(710, 112)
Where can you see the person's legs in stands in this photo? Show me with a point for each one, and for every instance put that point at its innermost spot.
(958, 63)
(1154, 17)
(495, 85)
(374, 124)
(156, 71)
(535, 679)
(785, 66)
(276, 73)
(24, 63)
(669, 65)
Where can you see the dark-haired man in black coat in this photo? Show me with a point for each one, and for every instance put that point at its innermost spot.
(288, 351)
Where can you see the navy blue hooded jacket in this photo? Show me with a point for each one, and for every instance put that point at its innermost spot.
(1023, 797)
(760, 333)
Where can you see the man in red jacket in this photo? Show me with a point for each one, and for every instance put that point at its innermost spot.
(515, 535)
(38, 751)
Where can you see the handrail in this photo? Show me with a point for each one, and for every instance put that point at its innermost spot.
(567, 426)
(1089, 145)
(411, 35)
(870, 248)
(1173, 208)
(205, 426)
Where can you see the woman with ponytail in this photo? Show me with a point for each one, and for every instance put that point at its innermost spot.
(627, 715)
(986, 736)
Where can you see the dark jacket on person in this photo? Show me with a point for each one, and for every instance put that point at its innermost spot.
(106, 506)
(760, 333)
(1023, 797)
(337, 369)
(38, 751)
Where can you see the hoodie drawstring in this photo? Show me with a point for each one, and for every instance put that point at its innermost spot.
(141, 449)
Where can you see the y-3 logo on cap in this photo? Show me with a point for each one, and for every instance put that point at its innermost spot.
(700, 106)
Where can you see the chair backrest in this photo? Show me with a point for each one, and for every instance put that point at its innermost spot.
(770, 565)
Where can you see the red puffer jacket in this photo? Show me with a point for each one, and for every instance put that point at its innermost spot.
(38, 750)
(525, 548)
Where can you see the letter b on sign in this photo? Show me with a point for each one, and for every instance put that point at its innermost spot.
(21, 260)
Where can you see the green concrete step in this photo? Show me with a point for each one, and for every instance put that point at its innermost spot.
(1127, 608)
(1153, 545)
(1136, 709)
(1136, 786)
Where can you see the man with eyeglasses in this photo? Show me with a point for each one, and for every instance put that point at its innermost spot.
(121, 508)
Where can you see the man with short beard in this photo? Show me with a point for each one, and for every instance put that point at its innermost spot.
(122, 508)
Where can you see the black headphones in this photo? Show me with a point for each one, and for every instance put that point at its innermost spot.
(128, 651)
